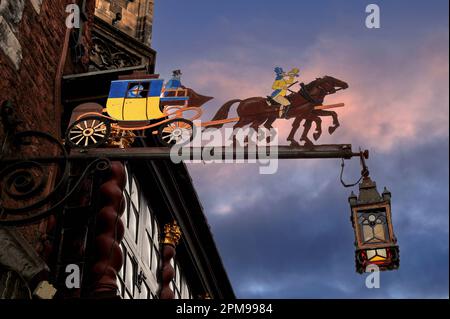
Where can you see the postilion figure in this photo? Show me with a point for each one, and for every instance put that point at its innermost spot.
(174, 84)
(281, 85)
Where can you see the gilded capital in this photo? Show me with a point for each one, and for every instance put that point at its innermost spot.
(172, 234)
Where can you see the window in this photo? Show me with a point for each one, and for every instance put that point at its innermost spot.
(145, 291)
(177, 277)
(138, 89)
(133, 223)
(124, 257)
(135, 194)
(373, 226)
(155, 233)
(120, 286)
(148, 221)
(140, 246)
(122, 272)
(147, 244)
(147, 250)
(130, 273)
(155, 262)
(185, 294)
(176, 282)
(127, 183)
(125, 211)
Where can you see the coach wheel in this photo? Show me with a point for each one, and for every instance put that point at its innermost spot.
(88, 132)
(176, 131)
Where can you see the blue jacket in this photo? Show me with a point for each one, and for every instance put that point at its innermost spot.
(173, 84)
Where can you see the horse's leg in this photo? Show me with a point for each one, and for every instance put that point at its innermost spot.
(256, 125)
(241, 123)
(304, 137)
(295, 126)
(268, 126)
(334, 115)
(318, 121)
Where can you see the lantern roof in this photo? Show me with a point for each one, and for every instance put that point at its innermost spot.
(368, 193)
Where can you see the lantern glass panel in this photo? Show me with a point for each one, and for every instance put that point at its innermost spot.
(376, 254)
(373, 226)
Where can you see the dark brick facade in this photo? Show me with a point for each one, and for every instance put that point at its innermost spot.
(31, 87)
(32, 38)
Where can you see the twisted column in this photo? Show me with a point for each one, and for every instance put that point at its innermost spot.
(109, 233)
(172, 235)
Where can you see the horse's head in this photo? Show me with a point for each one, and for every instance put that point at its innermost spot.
(330, 84)
(318, 89)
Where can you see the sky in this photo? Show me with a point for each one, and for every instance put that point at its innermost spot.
(288, 235)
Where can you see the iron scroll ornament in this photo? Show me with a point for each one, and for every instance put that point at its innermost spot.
(23, 184)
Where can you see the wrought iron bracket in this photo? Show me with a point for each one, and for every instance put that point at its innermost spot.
(27, 194)
(31, 188)
(363, 156)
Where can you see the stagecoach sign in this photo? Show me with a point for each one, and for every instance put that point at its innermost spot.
(147, 106)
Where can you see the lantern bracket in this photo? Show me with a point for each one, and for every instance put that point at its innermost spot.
(363, 155)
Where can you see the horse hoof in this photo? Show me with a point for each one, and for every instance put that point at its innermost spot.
(308, 143)
(332, 129)
(316, 136)
(294, 143)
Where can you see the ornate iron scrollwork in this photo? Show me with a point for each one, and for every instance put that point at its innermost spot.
(37, 186)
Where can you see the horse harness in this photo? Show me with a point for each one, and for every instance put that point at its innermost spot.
(304, 92)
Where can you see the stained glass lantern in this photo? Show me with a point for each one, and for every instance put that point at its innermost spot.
(375, 241)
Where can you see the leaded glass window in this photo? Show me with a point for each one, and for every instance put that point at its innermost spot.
(373, 226)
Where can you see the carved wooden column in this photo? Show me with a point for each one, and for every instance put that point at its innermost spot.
(172, 235)
(109, 233)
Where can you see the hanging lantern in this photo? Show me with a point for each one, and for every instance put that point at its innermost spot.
(375, 241)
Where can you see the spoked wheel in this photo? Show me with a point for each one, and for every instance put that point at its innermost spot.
(176, 131)
(88, 132)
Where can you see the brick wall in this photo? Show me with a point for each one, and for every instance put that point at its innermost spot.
(28, 67)
(32, 36)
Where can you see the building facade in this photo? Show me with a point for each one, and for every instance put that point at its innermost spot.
(136, 229)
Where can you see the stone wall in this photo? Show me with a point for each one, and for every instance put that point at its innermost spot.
(136, 17)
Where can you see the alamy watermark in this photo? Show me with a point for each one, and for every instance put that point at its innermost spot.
(373, 17)
(243, 145)
(373, 279)
(73, 19)
(73, 279)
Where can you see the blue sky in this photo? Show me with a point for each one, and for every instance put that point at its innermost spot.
(288, 235)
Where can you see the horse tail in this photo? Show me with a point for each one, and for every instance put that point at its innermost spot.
(222, 113)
